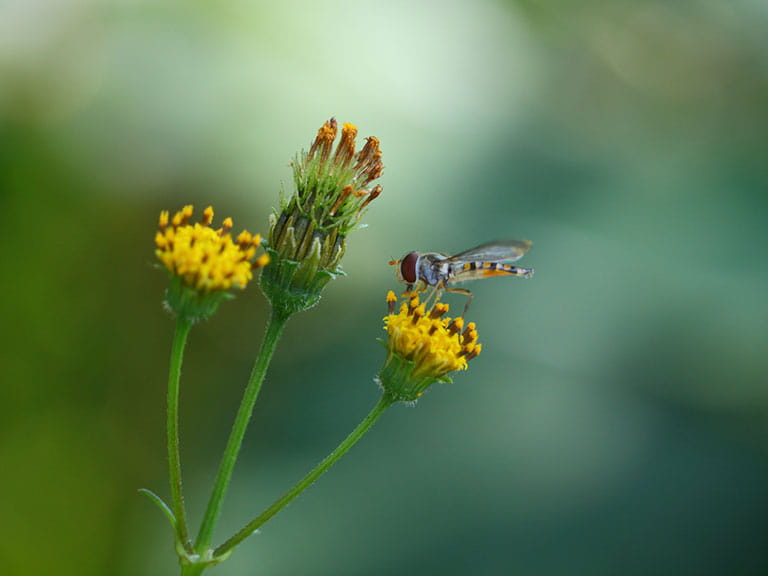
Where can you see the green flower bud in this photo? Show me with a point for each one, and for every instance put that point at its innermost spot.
(307, 237)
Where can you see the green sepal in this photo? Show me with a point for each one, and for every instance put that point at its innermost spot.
(396, 379)
(190, 304)
(293, 286)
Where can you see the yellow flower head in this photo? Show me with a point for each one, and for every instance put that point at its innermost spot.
(423, 347)
(204, 263)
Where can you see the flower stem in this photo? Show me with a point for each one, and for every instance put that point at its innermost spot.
(172, 422)
(193, 569)
(275, 327)
(384, 402)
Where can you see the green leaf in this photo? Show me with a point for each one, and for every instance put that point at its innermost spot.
(160, 504)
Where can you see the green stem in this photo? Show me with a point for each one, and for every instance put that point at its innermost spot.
(384, 402)
(172, 422)
(274, 330)
(193, 569)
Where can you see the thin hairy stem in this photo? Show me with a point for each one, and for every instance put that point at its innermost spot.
(271, 337)
(172, 422)
(385, 402)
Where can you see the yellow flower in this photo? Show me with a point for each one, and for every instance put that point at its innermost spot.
(204, 263)
(423, 347)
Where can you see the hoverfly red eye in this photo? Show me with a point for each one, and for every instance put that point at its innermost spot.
(408, 267)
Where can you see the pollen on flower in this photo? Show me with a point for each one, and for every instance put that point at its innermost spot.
(346, 147)
(434, 343)
(323, 144)
(456, 325)
(207, 216)
(206, 259)
(369, 161)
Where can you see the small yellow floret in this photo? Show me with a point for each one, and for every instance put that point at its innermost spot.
(435, 344)
(244, 238)
(261, 261)
(207, 216)
(206, 259)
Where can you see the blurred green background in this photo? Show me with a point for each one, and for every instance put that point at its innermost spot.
(616, 420)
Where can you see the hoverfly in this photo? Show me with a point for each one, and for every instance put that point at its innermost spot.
(421, 270)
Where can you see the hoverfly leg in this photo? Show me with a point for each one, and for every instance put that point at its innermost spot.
(466, 293)
(412, 290)
(435, 293)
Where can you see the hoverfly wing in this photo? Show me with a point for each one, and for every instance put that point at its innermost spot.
(497, 251)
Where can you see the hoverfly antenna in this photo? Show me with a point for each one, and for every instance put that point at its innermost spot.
(394, 262)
